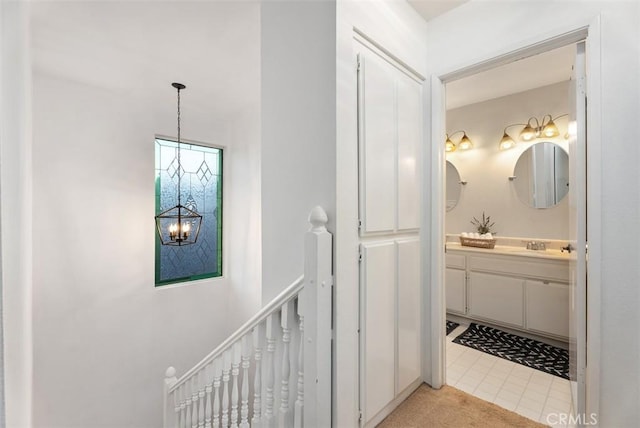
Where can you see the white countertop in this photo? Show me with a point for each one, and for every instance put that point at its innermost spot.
(510, 251)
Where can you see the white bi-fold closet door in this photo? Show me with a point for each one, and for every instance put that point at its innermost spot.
(389, 143)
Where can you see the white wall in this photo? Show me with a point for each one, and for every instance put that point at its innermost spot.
(483, 29)
(16, 200)
(298, 132)
(397, 28)
(486, 168)
(103, 334)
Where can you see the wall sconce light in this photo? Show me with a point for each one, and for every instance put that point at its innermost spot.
(464, 143)
(545, 128)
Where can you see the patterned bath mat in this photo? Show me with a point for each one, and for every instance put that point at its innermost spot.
(451, 326)
(521, 350)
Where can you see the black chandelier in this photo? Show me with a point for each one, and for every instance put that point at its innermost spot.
(179, 225)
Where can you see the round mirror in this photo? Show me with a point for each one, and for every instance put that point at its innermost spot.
(453, 186)
(542, 175)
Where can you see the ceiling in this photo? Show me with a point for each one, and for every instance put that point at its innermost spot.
(533, 72)
(139, 48)
(429, 9)
(528, 73)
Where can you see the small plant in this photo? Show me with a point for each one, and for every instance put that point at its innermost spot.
(483, 226)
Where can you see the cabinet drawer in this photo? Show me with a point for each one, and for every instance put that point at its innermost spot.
(555, 270)
(455, 261)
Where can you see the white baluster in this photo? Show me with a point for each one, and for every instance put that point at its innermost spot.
(217, 375)
(183, 407)
(188, 405)
(208, 389)
(246, 362)
(299, 406)
(257, 383)
(271, 347)
(286, 366)
(201, 395)
(235, 371)
(226, 368)
(194, 401)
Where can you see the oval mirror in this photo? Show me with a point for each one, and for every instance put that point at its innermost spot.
(542, 175)
(453, 186)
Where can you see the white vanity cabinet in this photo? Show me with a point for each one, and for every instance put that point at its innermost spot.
(455, 280)
(520, 291)
(496, 298)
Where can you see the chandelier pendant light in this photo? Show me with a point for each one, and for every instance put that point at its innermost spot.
(179, 225)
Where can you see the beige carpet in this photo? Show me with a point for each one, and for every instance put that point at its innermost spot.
(450, 407)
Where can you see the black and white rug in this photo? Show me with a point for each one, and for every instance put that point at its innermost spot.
(521, 350)
(451, 326)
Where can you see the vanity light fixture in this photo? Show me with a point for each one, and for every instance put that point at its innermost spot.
(464, 143)
(545, 128)
(179, 225)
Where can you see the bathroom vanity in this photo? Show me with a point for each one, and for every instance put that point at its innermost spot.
(514, 287)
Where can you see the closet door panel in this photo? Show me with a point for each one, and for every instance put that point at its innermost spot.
(378, 324)
(377, 139)
(409, 137)
(408, 314)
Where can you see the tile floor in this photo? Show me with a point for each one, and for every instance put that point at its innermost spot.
(531, 393)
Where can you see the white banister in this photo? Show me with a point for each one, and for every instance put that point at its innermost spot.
(224, 390)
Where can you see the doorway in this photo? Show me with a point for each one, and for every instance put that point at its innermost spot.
(436, 309)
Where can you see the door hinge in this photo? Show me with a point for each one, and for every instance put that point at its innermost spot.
(360, 415)
(359, 256)
(358, 62)
(359, 224)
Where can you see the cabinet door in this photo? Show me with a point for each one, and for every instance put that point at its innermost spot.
(496, 298)
(377, 144)
(409, 301)
(378, 325)
(409, 143)
(548, 307)
(456, 290)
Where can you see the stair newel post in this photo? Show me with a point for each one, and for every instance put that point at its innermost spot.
(271, 348)
(318, 315)
(235, 371)
(217, 375)
(258, 334)
(246, 362)
(299, 405)
(286, 365)
(226, 369)
(170, 400)
(208, 389)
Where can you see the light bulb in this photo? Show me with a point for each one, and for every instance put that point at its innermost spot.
(465, 143)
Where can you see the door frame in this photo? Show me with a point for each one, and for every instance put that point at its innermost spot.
(435, 308)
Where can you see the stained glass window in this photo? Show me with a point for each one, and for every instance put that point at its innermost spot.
(201, 190)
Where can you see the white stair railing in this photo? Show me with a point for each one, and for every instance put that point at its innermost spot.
(275, 370)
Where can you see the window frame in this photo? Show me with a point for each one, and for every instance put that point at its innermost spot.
(196, 279)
